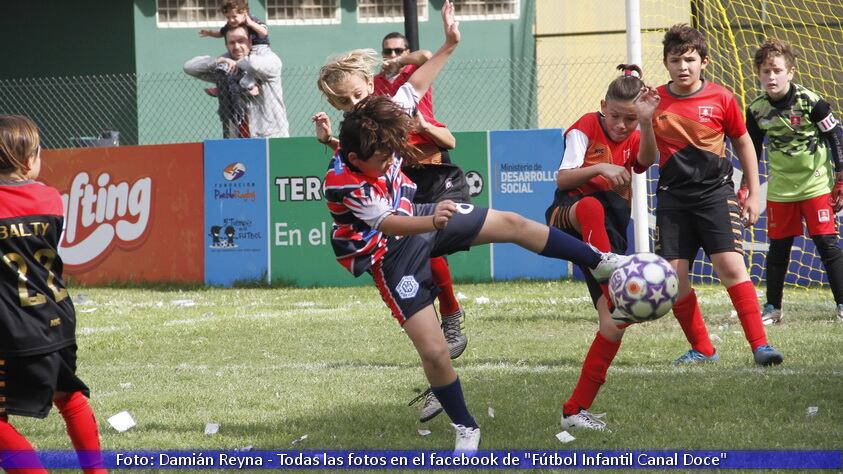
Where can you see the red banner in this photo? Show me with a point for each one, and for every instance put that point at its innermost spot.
(131, 213)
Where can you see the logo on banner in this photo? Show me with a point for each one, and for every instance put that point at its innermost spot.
(475, 183)
(102, 214)
(231, 231)
(705, 112)
(234, 171)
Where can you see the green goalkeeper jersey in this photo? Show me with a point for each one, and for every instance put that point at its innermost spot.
(798, 164)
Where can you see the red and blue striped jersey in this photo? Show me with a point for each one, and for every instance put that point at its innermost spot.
(358, 205)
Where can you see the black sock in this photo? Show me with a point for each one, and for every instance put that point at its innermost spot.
(451, 398)
(565, 247)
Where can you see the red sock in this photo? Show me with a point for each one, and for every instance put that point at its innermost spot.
(746, 304)
(687, 312)
(82, 430)
(593, 374)
(592, 219)
(448, 304)
(15, 450)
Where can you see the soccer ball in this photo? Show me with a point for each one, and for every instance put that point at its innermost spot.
(643, 289)
(475, 183)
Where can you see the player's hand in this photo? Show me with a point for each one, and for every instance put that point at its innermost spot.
(646, 103)
(836, 199)
(615, 175)
(743, 193)
(452, 27)
(749, 210)
(444, 210)
(206, 33)
(421, 123)
(390, 66)
(323, 126)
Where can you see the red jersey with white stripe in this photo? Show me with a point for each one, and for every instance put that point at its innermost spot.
(383, 86)
(36, 314)
(358, 206)
(586, 144)
(690, 134)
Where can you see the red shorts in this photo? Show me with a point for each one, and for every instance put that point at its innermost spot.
(784, 219)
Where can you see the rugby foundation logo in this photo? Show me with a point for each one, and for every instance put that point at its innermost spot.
(705, 112)
(234, 171)
(101, 215)
(824, 215)
(407, 287)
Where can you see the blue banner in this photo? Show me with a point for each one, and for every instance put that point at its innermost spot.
(362, 459)
(236, 241)
(522, 171)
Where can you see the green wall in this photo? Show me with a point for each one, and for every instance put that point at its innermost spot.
(58, 40)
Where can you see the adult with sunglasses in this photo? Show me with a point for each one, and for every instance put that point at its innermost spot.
(436, 179)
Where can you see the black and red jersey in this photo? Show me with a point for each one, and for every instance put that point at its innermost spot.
(586, 144)
(36, 313)
(690, 133)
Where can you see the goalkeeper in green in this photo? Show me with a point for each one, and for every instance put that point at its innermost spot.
(804, 167)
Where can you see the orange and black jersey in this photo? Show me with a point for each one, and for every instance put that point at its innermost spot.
(36, 314)
(690, 134)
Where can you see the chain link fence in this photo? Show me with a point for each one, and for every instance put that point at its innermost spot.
(142, 109)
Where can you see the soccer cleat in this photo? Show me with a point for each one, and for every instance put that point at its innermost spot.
(430, 408)
(452, 328)
(766, 355)
(694, 356)
(609, 262)
(840, 312)
(583, 419)
(468, 439)
(771, 315)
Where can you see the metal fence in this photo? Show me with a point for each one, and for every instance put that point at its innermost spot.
(173, 107)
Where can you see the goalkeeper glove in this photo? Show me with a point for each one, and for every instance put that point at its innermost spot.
(836, 199)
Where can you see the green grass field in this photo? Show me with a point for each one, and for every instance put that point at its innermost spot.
(272, 365)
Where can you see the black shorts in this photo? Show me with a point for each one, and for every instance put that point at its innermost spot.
(716, 228)
(436, 183)
(403, 276)
(617, 212)
(27, 384)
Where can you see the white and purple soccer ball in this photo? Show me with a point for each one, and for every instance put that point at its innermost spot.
(643, 289)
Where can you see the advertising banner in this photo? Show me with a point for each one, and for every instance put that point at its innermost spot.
(132, 213)
(235, 233)
(299, 221)
(523, 166)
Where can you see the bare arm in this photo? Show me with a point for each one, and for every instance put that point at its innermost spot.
(645, 104)
(412, 225)
(749, 164)
(260, 29)
(424, 76)
(323, 130)
(573, 178)
(416, 58)
(441, 136)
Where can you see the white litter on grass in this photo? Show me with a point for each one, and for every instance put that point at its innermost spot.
(81, 299)
(733, 314)
(299, 439)
(461, 296)
(126, 385)
(212, 428)
(715, 338)
(565, 437)
(183, 303)
(121, 421)
(423, 432)
(812, 411)
(89, 310)
(491, 412)
(482, 300)
(767, 322)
